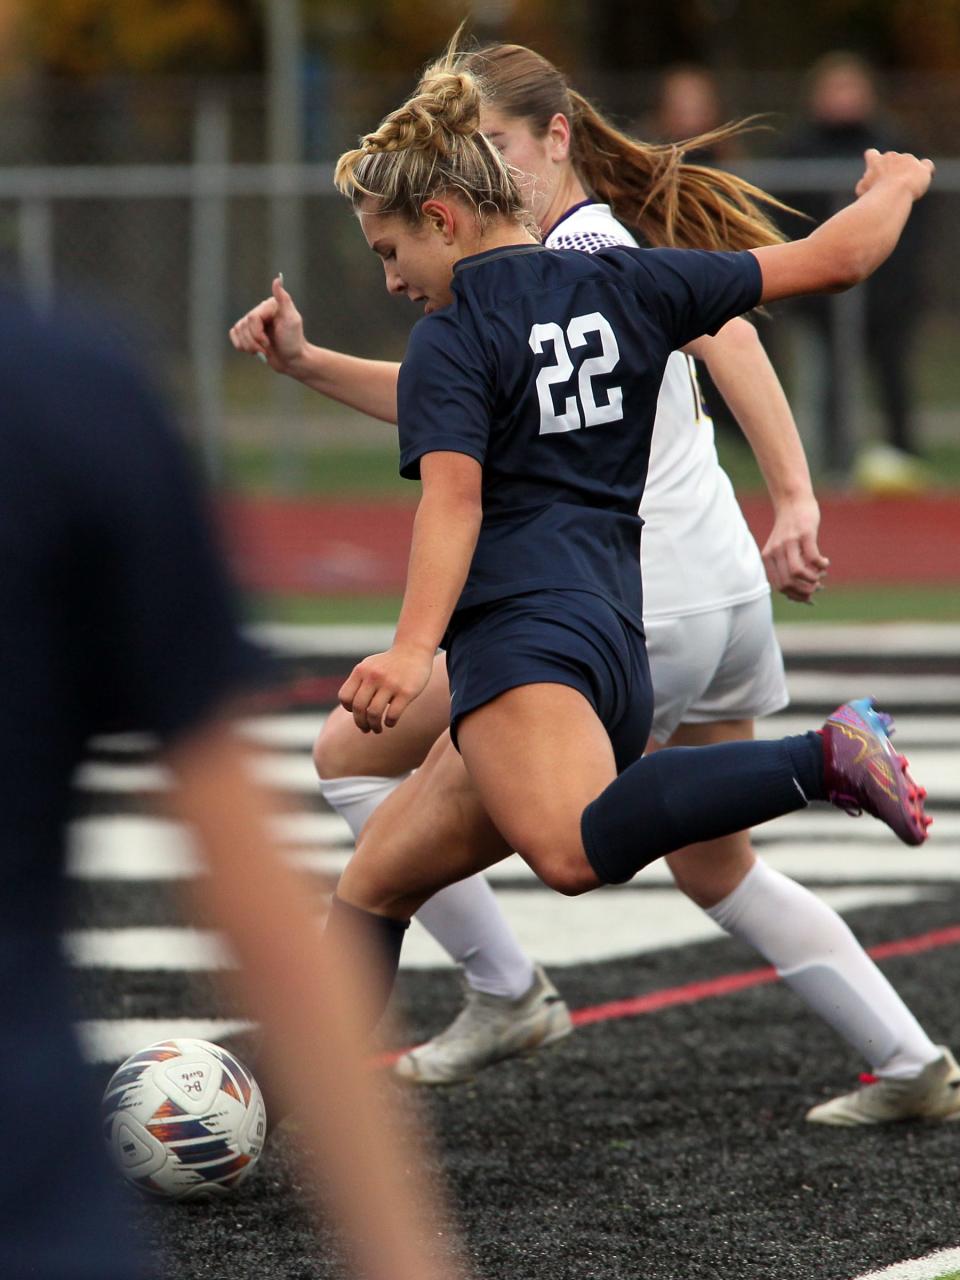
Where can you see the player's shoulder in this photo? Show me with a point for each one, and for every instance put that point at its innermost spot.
(589, 227)
(444, 337)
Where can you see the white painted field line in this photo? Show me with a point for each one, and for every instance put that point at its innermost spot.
(928, 1268)
(888, 638)
(300, 731)
(130, 847)
(288, 772)
(912, 731)
(113, 1039)
(937, 769)
(329, 641)
(819, 847)
(556, 929)
(805, 638)
(829, 688)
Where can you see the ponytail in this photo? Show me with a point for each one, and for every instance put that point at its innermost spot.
(651, 188)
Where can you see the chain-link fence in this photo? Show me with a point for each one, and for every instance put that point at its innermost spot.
(185, 243)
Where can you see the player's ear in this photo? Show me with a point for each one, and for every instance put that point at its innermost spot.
(558, 137)
(439, 216)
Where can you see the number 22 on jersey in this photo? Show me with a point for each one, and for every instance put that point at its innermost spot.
(581, 408)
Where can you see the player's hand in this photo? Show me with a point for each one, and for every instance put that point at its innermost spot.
(380, 688)
(896, 166)
(272, 330)
(793, 560)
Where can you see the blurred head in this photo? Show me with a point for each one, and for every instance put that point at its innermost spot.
(842, 90)
(688, 103)
(429, 187)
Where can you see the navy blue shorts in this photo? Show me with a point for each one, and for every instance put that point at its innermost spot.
(555, 637)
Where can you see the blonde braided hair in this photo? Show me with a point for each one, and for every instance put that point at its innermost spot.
(432, 146)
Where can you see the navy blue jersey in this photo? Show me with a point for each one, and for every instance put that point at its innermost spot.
(546, 368)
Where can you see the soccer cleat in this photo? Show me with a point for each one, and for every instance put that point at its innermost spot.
(932, 1095)
(487, 1030)
(863, 773)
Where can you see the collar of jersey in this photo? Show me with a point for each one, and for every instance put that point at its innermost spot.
(569, 214)
(488, 255)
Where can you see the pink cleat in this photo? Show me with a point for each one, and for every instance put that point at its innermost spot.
(863, 773)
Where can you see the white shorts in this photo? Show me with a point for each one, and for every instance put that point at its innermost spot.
(721, 665)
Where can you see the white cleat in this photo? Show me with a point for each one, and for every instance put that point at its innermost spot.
(487, 1030)
(932, 1095)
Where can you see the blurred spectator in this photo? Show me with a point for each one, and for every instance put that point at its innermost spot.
(843, 118)
(689, 104)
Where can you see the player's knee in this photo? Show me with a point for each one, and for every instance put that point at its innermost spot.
(335, 749)
(561, 866)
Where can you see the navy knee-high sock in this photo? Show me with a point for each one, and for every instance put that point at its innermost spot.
(383, 939)
(683, 795)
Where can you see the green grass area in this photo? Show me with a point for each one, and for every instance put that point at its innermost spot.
(740, 464)
(334, 471)
(836, 604)
(369, 469)
(909, 603)
(324, 610)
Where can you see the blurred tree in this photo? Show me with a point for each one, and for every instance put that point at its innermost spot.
(928, 32)
(399, 35)
(93, 37)
(758, 34)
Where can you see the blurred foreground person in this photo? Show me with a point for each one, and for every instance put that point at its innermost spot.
(115, 615)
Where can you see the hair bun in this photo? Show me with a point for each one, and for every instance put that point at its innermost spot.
(454, 99)
(446, 103)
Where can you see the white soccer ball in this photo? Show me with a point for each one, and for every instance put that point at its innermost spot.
(184, 1119)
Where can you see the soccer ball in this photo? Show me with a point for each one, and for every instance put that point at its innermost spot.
(184, 1119)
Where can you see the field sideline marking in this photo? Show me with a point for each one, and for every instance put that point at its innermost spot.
(727, 984)
(928, 1268)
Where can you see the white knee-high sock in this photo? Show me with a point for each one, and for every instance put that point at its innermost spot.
(465, 918)
(816, 954)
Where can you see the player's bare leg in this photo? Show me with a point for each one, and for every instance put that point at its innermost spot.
(815, 953)
(432, 831)
(538, 755)
(342, 751)
(437, 813)
(357, 773)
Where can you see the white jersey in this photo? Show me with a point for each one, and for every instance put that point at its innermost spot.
(697, 553)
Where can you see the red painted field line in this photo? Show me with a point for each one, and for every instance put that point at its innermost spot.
(727, 984)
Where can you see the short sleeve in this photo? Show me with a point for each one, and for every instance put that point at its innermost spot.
(444, 396)
(696, 291)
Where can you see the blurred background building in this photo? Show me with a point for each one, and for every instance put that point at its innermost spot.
(169, 156)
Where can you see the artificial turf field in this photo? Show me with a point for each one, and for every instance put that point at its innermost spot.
(669, 1146)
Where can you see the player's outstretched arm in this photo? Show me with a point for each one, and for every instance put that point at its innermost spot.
(311, 1002)
(748, 382)
(850, 246)
(273, 330)
(445, 533)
